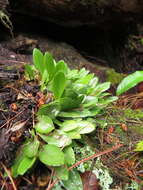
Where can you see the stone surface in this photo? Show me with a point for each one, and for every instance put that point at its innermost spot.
(80, 12)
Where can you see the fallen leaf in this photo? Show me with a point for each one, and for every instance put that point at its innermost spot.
(124, 127)
(89, 181)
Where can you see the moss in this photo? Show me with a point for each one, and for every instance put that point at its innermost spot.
(133, 119)
(114, 77)
(120, 115)
(134, 114)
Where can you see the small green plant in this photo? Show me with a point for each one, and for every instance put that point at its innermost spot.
(77, 99)
(129, 82)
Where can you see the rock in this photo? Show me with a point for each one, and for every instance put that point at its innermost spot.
(3, 4)
(80, 12)
(19, 51)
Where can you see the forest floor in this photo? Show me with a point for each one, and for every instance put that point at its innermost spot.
(122, 122)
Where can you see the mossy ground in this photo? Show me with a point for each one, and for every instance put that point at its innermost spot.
(127, 128)
(132, 119)
(117, 125)
(114, 77)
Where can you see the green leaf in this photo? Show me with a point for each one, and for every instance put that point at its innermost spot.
(72, 74)
(86, 79)
(25, 164)
(90, 101)
(16, 164)
(70, 92)
(108, 100)
(82, 114)
(74, 182)
(101, 88)
(80, 88)
(129, 82)
(70, 99)
(49, 65)
(69, 155)
(139, 146)
(57, 138)
(38, 60)
(52, 109)
(74, 134)
(70, 125)
(51, 155)
(93, 82)
(59, 84)
(57, 187)
(86, 127)
(62, 172)
(31, 148)
(62, 66)
(104, 94)
(45, 78)
(82, 73)
(69, 103)
(83, 127)
(29, 72)
(45, 125)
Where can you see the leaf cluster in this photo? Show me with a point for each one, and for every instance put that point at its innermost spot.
(77, 98)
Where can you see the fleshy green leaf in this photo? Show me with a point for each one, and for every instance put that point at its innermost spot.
(74, 134)
(86, 127)
(52, 109)
(44, 80)
(83, 127)
(31, 148)
(82, 114)
(129, 82)
(86, 79)
(51, 155)
(74, 182)
(49, 64)
(25, 164)
(93, 82)
(57, 138)
(16, 164)
(38, 60)
(80, 88)
(29, 72)
(45, 125)
(72, 74)
(59, 84)
(82, 73)
(62, 66)
(70, 103)
(70, 92)
(108, 100)
(70, 125)
(69, 155)
(90, 101)
(101, 88)
(62, 172)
